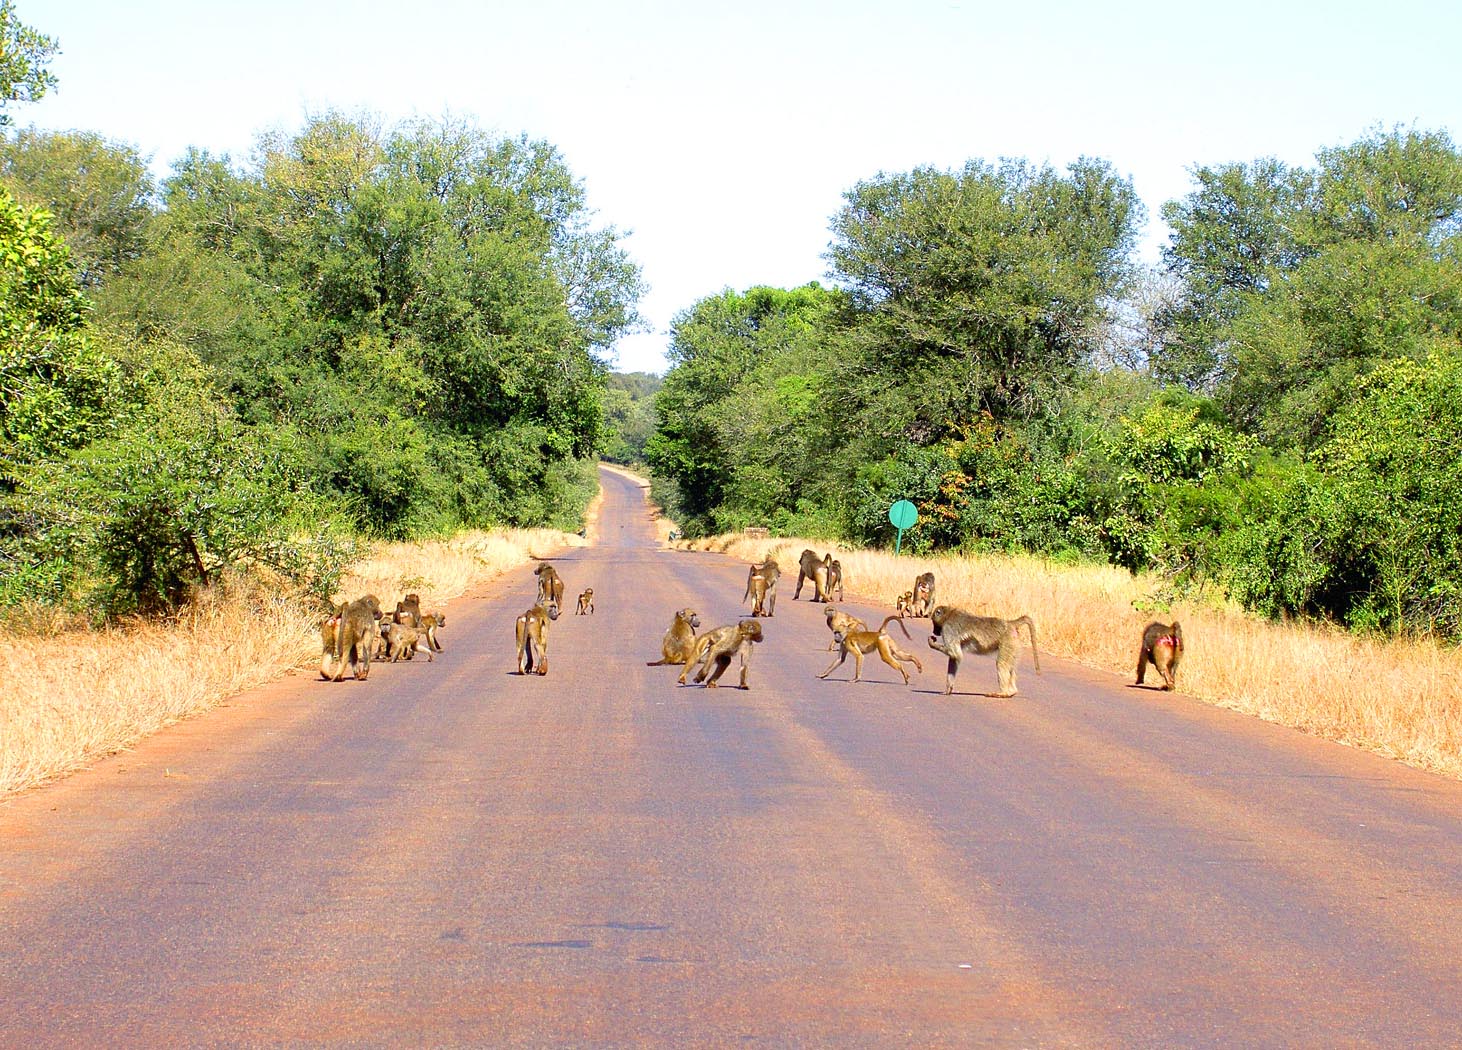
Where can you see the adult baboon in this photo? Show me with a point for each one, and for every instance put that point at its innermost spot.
(718, 647)
(675, 647)
(403, 641)
(859, 642)
(810, 567)
(922, 596)
(1162, 644)
(834, 578)
(532, 632)
(550, 584)
(355, 637)
(957, 632)
(586, 602)
(408, 610)
(837, 620)
(431, 623)
(763, 577)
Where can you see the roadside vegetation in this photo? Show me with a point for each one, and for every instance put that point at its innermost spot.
(1398, 697)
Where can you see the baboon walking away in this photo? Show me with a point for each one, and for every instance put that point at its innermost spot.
(957, 632)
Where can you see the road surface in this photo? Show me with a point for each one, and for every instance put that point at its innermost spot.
(453, 855)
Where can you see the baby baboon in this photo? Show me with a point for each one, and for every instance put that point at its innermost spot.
(809, 567)
(356, 635)
(718, 647)
(922, 596)
(761, 587)
(1163, 645)
(329, 645)
(905, 603)
(532, 631)
(957, 632)
(679, 639)
(403, 640)
(864, 641)
(837, 620)
(586, 602)
(550, 584)
(834, 578)
(431, 623)
(408, 610)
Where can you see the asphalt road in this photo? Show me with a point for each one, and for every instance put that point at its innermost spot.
(454, 855)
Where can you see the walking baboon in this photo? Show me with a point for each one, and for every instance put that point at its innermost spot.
(905, 603)
(810, 567)
(403, 640)
(1163, 645)
(957, 632)
(922, 596)
(408, 610)
(837, 620)
(718, 647)
(430, 623)
(355, 635)
(550, 584)
(586, 602)
(532, 632)
(675, 647)
(763, 577)
(834, 578)
(859, 642)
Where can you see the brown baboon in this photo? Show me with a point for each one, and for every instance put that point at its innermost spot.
(1163, 645)
(957, 632)
(550, 584)
(586, 602)
(809, 567)
(532, 632)
(403, 640)
(905, 603)
(676, 645)
(837, 620)
(355, 636)
(718, 647)
(834, 578)
(859, 642)
(431, 623)
(762, 578)
(922, 596)
(329, 645)
(408, 610)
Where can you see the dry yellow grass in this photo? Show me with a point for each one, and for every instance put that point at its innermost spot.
(1398, 698)
(68, 697)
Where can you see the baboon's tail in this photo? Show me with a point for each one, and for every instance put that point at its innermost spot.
(1177, 633)
(1031, 626)
(900, 621)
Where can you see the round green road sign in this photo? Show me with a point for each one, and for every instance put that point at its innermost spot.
(903, 514)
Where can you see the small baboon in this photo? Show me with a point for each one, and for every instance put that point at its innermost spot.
(834, 578)
(408, 610)
(586, 602)
(1163, 645)
(532, 632)
(905, 603)
(718, 647)
(403, 640)
(837, 620)
(675, 647)
(810, 567)
(761, 587)
(355, 634)
(550, 584)
(431, 623)
(859, 642)
(922, 596)
(957, 632)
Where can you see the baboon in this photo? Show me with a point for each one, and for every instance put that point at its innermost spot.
(431, 623)
(957, 632)
(922, 596)
(550, 584)
(763, 578)
(905, 603)
(532, 631)
(351, 639)
(586, 602)
(834, 578)
(837, 620)
(718, 647)
(408, 610)
(859, 642)
(809, 567)
(675, 647)
(403, 640)
(1163, 645)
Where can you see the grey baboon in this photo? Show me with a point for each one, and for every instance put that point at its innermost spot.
(1162, 644)
(957, 632)
(858, 642)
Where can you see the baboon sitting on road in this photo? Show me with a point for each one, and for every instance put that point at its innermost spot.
(922, 595)
(957, 632)
(675, 647)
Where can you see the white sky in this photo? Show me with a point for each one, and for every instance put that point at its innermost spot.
(723, 136)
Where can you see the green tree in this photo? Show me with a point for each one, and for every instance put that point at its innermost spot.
(24, 54)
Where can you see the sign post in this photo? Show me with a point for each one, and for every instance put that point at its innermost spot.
(903, 515)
